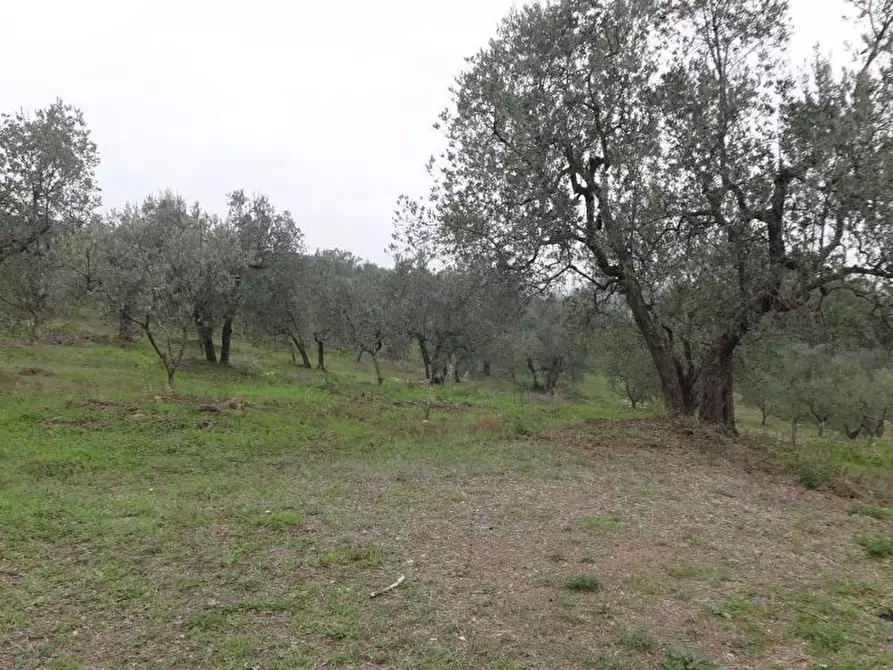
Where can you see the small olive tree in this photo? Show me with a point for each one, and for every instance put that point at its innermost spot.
(152, 269)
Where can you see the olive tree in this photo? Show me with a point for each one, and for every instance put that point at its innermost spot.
(33, 289)
(549, 341)
(620, 354)
(152, 271)
(47, 166)
(661, 149)
(240, 248)
(278, 302)
(362, 302)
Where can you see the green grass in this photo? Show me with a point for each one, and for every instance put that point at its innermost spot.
(682, 571)
(639, 639)
(828, 461)
(582, 582)
(681, 658)
(732, 608)
(601, 523)
(877, 547)
(137, 530)
(815, 475)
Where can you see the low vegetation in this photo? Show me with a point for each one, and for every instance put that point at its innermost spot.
(245, 519)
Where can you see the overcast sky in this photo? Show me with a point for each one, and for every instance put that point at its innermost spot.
(326, 107)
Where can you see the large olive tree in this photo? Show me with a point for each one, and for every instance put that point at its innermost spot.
(663, 150)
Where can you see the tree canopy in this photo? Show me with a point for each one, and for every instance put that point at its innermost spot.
(664, 150)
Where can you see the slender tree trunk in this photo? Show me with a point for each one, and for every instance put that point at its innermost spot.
(631, 396)
(359, 355)
(291, 349)
(717, 404)
(302, 349)
(373, 354)
(764, 413)
(426, 359)
(532, 368)
(378, 376)
(169, 362)
(794, 432)
(881, 424)
(226, 336)
(320, 353)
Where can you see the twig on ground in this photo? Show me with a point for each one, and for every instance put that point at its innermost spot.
(393, 586)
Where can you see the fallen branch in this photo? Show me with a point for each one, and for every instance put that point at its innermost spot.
(393, 586)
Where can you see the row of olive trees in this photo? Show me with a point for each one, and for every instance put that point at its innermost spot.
(847, 391)
(830, 366)
(453, 321)
(177, 274)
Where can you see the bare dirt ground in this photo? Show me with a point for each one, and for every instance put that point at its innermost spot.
(608, 545)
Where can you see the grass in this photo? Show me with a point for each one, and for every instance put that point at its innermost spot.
(601, 523)
(733, 607)
(853, 468)
(878, 513)
(582, 582)
(877, 547)
(137, 530)
(681, 658)
(639, 640)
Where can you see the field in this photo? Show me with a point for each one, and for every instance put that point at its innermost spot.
(244, 521)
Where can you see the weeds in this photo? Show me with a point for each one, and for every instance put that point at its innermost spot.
(877, 547)
(682, 658)
(582, 582)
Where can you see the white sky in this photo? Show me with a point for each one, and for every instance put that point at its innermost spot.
(326, 107)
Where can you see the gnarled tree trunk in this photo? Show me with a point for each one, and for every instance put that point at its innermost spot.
(532, 367)
(717, 406)
(206, 340)
(675, 390)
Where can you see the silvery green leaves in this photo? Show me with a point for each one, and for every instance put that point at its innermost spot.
(47, 165)
(664, 150)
